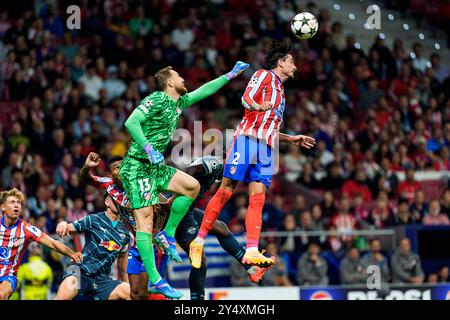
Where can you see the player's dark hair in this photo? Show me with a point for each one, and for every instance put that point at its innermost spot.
(275, 50)
(114, 159)
(161, 78)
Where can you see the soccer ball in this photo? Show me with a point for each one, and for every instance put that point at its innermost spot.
(304, 25)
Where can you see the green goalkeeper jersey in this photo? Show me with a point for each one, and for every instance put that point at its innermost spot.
(156, 117)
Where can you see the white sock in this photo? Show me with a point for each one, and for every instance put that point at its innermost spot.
(251, 249)
(199, 240)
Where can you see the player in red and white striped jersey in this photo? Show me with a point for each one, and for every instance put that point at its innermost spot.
(15, 236)
(249, 159)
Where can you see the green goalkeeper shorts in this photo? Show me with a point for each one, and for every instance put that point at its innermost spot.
(143, 181)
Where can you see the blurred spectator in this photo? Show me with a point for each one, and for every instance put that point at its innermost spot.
(277, 275)
(35, 277)
(419, 208)
(432, 278)
(443, 274)
(357, 185)
(351, 268)
(375, 258)
(445, 202)
(333, 181)
(408, 187)
(434, 216)
(344, 221)
(307, 178)
(312, 268)
(182, 36)
(403, 215)
(92, 83)
(406, 265)
(290, 243)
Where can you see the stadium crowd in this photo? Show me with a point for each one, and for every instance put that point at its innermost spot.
(374, 114)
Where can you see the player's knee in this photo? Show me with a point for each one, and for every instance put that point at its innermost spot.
(3, 296)
(193, 188)
(124, 292)
(220, 229)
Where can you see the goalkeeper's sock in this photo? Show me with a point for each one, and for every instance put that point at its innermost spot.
(180, 207)
(233, 248)
(145, 247)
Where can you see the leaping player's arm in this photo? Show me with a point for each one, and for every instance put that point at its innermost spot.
(61, 248)
(92, 161)
(257, 87)
(298, 140)
(213, 86)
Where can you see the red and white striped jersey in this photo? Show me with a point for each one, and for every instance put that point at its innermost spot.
(14, 242)
(264, 85)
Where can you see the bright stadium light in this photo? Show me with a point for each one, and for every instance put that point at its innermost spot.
(366, 26)
(405, 26)
(357, 45)
(351, 16)
(391, 16)
(421, 36)
(428, 64)
(336, 7)
(382, 36)
(437, 45)
(412, 55)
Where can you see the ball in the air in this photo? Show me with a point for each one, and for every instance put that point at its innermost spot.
(304, 25)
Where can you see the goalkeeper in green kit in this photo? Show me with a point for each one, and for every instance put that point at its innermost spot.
(144, 176)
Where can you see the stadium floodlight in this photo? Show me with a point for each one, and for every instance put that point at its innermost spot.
(357, 45)
(412, 55)
(390, 16)
(421, 36)
(336, 6)
(382, 36)
(437, 45)
(405, 26)
(429, 64)
(351, 16)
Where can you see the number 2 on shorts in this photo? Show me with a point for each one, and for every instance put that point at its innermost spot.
(237, 155)
(144, 185)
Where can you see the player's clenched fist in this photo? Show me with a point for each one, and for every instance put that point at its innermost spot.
(92, 160)
(62, 229)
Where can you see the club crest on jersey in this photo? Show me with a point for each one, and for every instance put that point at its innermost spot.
(146, 196)
(233, 170)
(110, 245)
(4, 253)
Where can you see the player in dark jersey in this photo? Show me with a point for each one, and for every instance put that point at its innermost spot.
(112, 184)
(207, 170)
(107, 240)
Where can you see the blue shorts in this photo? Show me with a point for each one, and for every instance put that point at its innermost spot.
(136, 266)
(10, 279)
(249, 159)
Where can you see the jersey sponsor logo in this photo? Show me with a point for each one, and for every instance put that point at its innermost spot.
(34, 230)
(110, 245)
(103, 179)
(5, 253)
